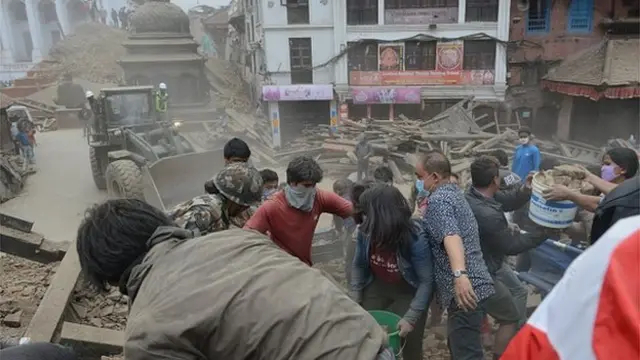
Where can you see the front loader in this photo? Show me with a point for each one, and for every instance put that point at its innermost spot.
(126, 135)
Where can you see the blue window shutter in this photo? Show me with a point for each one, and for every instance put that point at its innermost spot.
(538, 17)
(580, 16)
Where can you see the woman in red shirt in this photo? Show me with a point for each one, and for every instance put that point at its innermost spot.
(392, 267)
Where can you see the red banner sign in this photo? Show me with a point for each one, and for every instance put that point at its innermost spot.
(421, 78)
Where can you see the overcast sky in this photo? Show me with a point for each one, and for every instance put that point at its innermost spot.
(187, 4)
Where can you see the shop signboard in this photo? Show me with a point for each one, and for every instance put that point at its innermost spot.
(333, 116)
(386, 95)
(440, 15)
(274, 119)
(421, 78)
(297, 92)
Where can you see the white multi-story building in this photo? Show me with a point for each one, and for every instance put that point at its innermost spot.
(326, 59)
(29, 28)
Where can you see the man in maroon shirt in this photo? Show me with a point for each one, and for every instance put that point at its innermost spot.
(290, 216)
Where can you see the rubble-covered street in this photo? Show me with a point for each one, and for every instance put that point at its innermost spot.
(352, 87)
(24, 283)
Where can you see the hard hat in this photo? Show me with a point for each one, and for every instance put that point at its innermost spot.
(163, 86)
(240, 183)
(89, 94)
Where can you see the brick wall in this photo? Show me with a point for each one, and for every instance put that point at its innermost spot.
(558, 43)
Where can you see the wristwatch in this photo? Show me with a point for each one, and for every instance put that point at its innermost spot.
(458, 273)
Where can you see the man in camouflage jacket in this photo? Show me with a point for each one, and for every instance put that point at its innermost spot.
(239, 189)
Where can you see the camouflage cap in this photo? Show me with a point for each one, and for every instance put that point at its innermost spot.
(240, 183)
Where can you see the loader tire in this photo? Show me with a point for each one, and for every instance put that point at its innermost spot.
(124, 180)
(97, 169)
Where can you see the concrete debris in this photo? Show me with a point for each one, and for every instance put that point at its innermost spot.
(13, 320)
(49, 124)
(115, 357)
(91, 52)
(12, 176)
(24, 283)
(567, 175)
(230, 89)
(104, 310)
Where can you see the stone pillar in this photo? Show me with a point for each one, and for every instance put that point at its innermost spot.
(274, 117)
(6, 55)
(462, 11)
(63, 17)
(564, 118)
(380, 12)
(35, 29)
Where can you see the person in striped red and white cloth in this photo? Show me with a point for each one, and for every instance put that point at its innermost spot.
(593, 313)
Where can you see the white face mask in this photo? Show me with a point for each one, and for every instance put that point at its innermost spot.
(300, 197)
(524, 140)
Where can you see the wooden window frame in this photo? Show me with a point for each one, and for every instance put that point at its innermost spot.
(580, 18)
(541, 22)
(362, 56)
(301, 64)
(297, 12)
(362, 12)
(420, 55)
(482, 10)
(479, 60)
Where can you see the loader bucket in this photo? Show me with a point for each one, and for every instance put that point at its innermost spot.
(172, 180)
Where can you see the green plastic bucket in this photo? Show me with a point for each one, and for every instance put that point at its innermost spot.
(390, 320)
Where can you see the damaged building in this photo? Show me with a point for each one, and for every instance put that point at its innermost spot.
(574, 72)
(321, 61)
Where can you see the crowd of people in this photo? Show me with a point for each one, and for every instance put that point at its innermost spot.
(119, 17)
(229, 273)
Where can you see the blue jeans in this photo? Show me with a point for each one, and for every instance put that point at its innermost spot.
(27, 152)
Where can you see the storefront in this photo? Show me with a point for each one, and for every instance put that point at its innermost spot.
(385, 102)
(413, 78)
(294, 107)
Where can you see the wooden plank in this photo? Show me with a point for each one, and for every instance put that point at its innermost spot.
(79, 333)
(16, 223)
(48, 317)
(31, 246)
(453, 137)
(495, 140)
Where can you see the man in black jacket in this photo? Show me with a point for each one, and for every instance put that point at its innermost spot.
(498, 240)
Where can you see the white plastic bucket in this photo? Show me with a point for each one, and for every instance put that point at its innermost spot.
(551, 214)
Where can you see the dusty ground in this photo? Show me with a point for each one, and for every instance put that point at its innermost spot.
(23, 284)
(57, 195)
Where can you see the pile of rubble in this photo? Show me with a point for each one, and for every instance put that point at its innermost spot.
(230, 89)
(24, 283)
(12, 175)
(91, 307)
(92, 53)
(396, 143)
